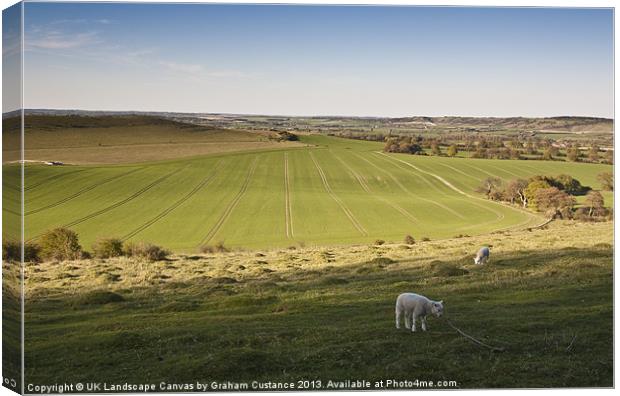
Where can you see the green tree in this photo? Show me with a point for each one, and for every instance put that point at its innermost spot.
(547, 154)
(452, 150)
(569, 185)
(593, 154)
(531, 189)
(515, 191)
(491, 187)
(607, 180)
(573, 154)
(595, 201)
(554, 203)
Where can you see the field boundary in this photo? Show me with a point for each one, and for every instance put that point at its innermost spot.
(80, 192)
(231, 206)
(331, 193)
(175, 205)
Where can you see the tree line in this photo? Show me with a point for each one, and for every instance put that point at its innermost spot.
(490, 148)
(553, 196)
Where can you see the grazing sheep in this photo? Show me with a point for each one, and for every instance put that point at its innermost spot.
(414, 306)
(482, 256)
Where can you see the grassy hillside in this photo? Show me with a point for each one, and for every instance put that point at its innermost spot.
(327, 314)
(122, 139)
(333, 192)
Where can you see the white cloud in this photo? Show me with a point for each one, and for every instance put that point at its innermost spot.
(59, 40)
(197, 71)
(183, 67)
(103, 21)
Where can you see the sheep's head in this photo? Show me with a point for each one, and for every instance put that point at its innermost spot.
(437, 308)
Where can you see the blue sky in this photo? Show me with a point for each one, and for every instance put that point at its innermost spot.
(327, 60)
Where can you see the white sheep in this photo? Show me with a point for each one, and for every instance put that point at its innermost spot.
(482, 256)
(414, 306)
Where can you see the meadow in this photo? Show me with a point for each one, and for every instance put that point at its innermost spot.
(325, 191)
(307, 292)
(325, 314)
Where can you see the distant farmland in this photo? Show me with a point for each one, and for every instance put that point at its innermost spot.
(87, 140)
(332, 192)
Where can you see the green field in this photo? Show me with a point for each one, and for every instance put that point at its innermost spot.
(328, 314)
(333, 192)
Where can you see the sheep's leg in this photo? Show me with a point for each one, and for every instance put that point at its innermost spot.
(423, 323)
(398, 314)
(407, 320)
(413, 320)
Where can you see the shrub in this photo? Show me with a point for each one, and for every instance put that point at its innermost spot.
(409, 240)
(11, 251)
(60, 244)
(425, 239)
(381, 261)
(217, 248)
(145, 250)
(379, 242)
(108, 247)
(439, 268)
(31, 252)
(99, 297)
(607, 180)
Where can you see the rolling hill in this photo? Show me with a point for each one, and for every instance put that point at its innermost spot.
(329, 192)
(79, 139)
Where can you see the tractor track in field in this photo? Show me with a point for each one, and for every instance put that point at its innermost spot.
(487, 172)
(500, 216)
(461, 172)
(80, 192)
(366, 187)
(331, 193)
(447, 183)
(11, 211)
(119, 203)
(48, 179)
(405, 189)
(231, 205)
(288, 213)
(175, 205)
(10, 187)
(506, 171)
(356, 175)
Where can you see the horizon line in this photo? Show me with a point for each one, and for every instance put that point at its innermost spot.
(304, 115)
